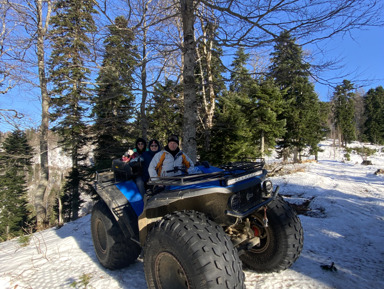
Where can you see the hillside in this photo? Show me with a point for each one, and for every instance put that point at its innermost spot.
(342, 206)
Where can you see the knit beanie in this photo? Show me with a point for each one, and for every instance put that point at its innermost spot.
(173, 138)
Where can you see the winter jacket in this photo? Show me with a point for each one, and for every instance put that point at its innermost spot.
(147, 158)
(164, 164)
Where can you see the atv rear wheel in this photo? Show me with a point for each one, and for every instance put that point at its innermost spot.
(187, 250)
(113, 249)
(280, 243)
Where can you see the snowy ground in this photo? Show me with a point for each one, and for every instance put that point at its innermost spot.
(344, 224)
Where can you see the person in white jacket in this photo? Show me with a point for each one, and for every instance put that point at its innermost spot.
(170, 161)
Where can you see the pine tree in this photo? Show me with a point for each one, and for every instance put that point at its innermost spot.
(302, 112)
(374, 113)
(241, 80)
(265, 105)
(165, 111)
(114, 102)
(322, 130)
(15, 164)
(71, 26)
(343, 109)
(231, 134)
(359, 116)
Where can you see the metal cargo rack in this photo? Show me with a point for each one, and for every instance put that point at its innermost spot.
(231, 173)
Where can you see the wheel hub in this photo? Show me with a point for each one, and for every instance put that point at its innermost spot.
(169, 273)
(261, 232)
(101, 235)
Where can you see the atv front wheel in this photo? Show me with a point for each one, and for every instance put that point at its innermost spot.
(187, 250)
(113, 249)
(280, 243)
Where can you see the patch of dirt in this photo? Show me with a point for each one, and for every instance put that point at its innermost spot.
(302, 207)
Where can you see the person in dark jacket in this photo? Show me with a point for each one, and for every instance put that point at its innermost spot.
(153, 148)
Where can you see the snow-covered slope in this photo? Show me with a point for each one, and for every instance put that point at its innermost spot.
(343, 224)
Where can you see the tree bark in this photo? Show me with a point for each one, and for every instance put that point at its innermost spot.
(209, 95)
(190, 104)
(60, 212)
(143, 115)
(42, 190)
(262, 143)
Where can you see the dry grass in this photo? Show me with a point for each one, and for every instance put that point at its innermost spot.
(278, 169)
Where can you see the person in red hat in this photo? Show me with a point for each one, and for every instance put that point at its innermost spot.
(140, 147)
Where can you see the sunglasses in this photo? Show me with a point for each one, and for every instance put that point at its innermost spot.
(154, 146)
(140, 143)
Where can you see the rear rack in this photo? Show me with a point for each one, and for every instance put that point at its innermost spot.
(232, 173)
(104, 176)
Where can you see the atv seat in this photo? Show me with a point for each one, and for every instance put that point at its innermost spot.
(122, 170)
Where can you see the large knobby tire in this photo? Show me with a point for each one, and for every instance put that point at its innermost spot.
(280, 243)
(187, 250)
(113, 249)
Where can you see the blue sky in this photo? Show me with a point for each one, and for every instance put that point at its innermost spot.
(363, 58)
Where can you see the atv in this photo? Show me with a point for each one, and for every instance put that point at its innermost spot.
(196, 230)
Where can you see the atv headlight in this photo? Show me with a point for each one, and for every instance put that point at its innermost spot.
(242, 178)
(235, 202)
(267, 189)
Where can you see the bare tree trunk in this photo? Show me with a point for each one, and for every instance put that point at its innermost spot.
(42, 190)
(262, 144)
(190, 104)
(295, 155)
(7, 232)
(60, 211)
(75, 202)
(208, 98)
(143, 115)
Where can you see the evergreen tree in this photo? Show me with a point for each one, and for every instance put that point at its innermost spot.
(343, 109)
(302, 112)
(232, 137)
(374, 113)
(15, 164)
(165, 112)
(263, 110)
(114, 102)
(359, 116)
(71, 26)
(231, 134)
(323, 128)
(241, 80)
